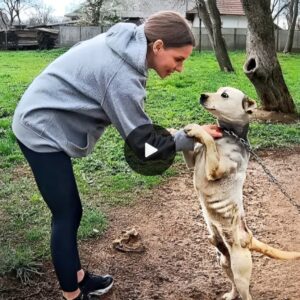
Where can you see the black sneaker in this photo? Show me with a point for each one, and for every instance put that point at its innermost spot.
(95, 285)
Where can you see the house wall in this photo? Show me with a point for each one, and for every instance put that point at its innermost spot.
(234, 22)
(227, 22)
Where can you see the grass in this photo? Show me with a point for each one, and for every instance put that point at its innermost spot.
(104, 177)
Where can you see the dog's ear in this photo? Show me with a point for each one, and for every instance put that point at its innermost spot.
(249, 105)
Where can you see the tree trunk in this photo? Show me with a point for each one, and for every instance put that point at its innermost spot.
(204, 16)
(294, 14)
(210, 16)
(262, 66)
(3, 19)
(19, 19)
(219, 42)
(11, 20)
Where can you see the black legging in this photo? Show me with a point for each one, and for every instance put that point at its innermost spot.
(55, 179)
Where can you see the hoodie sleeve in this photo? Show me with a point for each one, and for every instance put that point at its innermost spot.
(124, 105)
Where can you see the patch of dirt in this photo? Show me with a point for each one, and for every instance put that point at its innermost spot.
(179, 263)
(21, 171)
(274, 117)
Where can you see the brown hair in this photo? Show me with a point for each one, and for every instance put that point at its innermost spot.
(171, 28)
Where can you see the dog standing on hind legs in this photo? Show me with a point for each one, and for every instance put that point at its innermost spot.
(219, 173)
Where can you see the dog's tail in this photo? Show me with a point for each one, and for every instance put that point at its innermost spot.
(258, 246)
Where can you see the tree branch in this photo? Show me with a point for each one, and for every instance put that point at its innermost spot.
(280, 10)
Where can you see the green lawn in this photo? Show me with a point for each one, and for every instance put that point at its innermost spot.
(104, 177)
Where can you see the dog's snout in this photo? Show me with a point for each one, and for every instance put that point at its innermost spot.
(203, 97)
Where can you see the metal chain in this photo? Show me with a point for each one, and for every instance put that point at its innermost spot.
(267, 171)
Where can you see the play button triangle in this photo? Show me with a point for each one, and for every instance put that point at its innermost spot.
(147, 159)
(149, 150)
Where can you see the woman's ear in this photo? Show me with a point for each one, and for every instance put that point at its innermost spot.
(157, 46)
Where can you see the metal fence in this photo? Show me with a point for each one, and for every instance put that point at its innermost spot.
(236, 39)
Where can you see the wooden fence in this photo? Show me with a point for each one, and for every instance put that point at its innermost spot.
(235, 37)
(70, 35)
(42, 38)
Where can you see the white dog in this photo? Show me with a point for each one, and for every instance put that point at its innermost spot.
(220, 171)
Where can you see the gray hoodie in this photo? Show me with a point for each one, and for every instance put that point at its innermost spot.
(97, 82)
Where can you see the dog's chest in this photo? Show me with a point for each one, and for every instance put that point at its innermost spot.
(222, 197)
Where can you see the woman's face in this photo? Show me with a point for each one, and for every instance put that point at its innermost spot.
(166, 61)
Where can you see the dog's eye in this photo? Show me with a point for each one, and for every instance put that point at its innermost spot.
(224, 95)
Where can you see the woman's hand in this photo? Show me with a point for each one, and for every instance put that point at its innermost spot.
(213, 130)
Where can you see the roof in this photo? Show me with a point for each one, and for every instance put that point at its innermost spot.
(145, 8)
(226, 7)
(230, 7)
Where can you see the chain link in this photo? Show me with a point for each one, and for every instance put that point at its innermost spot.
(267, 171)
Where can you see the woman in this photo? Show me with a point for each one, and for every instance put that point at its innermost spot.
(66, 108)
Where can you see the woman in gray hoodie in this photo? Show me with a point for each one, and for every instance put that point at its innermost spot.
(65, 110)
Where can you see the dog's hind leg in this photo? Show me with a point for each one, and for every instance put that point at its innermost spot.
(225, 264)
(224, 259)
(241, 267)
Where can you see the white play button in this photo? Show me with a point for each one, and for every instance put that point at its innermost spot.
(149, 150)
(146, 159)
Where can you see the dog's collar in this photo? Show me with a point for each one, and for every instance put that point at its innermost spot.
(241, 131)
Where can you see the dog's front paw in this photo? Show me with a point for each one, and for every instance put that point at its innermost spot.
(192, 130)
(195, 131)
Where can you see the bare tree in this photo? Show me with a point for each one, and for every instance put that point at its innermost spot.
(3, 20)
(41, 14)
(210, 15)
(14, 8)
(293, 12)
(277, 7)
(262, 66)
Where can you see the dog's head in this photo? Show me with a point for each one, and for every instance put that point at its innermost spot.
(228, 104)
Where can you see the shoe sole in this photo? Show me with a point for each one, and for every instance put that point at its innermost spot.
(102, 291)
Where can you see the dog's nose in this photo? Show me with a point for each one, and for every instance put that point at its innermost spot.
(203, 97)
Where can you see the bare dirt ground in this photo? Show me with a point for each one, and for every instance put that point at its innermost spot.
(274, 117)
(179, 263)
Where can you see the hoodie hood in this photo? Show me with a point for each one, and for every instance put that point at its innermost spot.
(130, 43)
